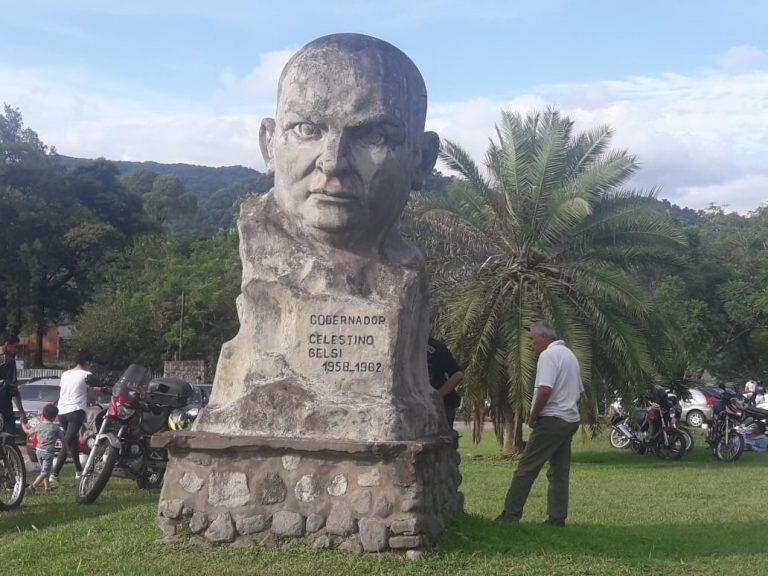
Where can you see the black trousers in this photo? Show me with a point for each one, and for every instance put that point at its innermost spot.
(71, 422)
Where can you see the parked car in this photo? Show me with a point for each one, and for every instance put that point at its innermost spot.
(697, 409)
(35, 394)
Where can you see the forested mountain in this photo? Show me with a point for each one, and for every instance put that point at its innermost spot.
(217, 190)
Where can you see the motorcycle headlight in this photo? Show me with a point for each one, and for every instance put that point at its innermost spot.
(124, 412)
(193, 412)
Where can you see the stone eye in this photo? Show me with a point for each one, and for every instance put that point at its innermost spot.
(375, 137)
(306, 130)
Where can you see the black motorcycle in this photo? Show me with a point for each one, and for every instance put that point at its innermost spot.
(139, 408)
(13, 474)
(723, 434)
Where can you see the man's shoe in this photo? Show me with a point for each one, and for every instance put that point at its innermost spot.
(504, 517)
(552, 522)
(77, 475)
(53, 479)
(30, 489)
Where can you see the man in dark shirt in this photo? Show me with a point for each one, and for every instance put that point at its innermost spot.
(444, 375)
(9, 393)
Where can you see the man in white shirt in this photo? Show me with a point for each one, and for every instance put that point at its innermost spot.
(73, 400)
(554, 420)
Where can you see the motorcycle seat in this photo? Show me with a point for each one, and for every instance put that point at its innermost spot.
(756, 412)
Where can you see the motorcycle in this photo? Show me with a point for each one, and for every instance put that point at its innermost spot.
(723, 435)
(649, 429)
(618, 439)
(139, 408)
(13, 474)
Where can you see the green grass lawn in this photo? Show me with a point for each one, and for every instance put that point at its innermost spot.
(629, 515)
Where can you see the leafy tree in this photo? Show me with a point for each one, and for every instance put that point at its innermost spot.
(164, 196)
(143, 298)
(62, 227)
(546, 233)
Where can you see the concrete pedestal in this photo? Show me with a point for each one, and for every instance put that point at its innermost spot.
(357, 496)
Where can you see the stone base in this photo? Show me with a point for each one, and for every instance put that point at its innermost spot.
(355, 496)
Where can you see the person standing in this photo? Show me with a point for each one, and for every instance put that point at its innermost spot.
(444, 376)
(554, 420)
(73, 400)
(9, 393)
(48, 432)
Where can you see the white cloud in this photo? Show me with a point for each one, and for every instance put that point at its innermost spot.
(739, 194)
(701, 137)
(690, 132)
(741, 58)
(262, 80)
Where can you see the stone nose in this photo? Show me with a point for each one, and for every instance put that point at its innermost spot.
(332, 157)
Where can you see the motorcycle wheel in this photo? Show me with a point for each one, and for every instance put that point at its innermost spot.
(151, 479)
(93, 481)
(729, 451)
(13, 477)
(674, 449)
(618, 440)
(688, 437)
(637, 448)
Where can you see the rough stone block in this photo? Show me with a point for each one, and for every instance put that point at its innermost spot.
(370, 478)
(191, 482)
(362, 502)
(406, 525)
(286, 523)
(291, 462)
(322, 541)
(351, 545)
(307, 488)
(383, 507)
(274, 490)
(314, 523)
(402, 542)
(414, 554)
(340, 521)
(171, 508)
(252, 524)
(338, 486)
(221, 529)
(198, 522)
(373, 534)
(410, 504)
(243, 542)
(169, 526)
(228, 489)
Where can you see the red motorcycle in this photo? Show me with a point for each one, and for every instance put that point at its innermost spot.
(138, 409)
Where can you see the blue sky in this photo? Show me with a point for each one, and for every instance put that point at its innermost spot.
(684, 84)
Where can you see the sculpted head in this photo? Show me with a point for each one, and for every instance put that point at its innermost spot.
(347, 144)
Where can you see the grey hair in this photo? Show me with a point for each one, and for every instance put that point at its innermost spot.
(545, 329)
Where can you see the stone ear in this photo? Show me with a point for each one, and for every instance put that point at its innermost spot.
(430, 144)
(266, 133)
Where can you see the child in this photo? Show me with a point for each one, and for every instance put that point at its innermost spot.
(47, 433)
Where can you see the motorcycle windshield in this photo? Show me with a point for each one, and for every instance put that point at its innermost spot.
(135, 377)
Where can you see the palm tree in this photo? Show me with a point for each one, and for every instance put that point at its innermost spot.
(545, 232)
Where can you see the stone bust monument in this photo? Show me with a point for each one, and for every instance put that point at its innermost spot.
(347, 144)
(322, 424)
(333, 310)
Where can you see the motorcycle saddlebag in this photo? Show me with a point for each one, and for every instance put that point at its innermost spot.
(171, 392)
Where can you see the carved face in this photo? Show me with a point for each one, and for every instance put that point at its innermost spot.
(344, 147)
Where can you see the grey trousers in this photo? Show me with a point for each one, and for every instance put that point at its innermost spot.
(550, 442)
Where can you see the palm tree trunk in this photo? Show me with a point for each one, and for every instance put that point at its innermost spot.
(513, 431)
